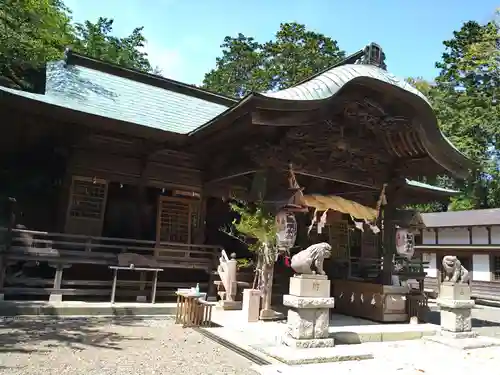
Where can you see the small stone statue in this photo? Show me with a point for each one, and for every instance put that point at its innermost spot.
(310, 260)
(133, 260)
(454, 271)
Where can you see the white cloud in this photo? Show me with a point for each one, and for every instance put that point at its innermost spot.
(170, 62)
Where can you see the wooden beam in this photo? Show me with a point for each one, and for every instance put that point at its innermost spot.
(288, 118)
(470, 235)
(341, 176)
(459, 247)
(230, 175)
(436, 235)
(489, 235)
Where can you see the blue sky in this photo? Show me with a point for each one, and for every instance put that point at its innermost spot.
(185, 35)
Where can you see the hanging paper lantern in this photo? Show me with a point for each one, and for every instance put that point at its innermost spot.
(286, 230)
(404, 243)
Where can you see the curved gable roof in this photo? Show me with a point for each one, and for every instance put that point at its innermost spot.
(330, 82)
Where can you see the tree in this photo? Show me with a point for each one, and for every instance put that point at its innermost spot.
(257, 228)
(247, 65)
(96, 40)
(31, 33)
(35, 32)
(465, 100)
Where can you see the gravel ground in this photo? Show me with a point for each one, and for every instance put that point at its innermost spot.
(111, 346)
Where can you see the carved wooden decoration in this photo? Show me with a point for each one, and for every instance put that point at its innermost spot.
(356, 139)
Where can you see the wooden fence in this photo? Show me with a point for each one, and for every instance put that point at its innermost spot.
(62, 251)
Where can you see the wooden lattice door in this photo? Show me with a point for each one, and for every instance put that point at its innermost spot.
(87, 204)
(178, 218)
(339, 240)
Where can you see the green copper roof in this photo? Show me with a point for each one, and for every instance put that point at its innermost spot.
(422, 185)
(107, 95)
(329, 83)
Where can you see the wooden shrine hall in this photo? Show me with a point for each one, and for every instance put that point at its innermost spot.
(107, 161)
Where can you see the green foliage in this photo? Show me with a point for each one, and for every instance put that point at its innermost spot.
(465, 100)
(256, 224)
(243, 263)
(33, 32)
(247, 65)
(96, 40)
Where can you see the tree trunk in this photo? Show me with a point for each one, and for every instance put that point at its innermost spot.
(267, 313)
(267, 286)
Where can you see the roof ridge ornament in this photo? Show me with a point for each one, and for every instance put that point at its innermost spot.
(373, 55)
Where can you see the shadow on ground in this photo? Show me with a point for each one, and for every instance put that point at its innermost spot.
(434, 318)
(28, 335)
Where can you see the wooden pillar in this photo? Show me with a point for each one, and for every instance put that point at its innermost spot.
(11, 209)
(389, 245)
(65, 193)
(389, 234)
(141, 200)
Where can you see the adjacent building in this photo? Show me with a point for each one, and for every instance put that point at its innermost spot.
(474, 237)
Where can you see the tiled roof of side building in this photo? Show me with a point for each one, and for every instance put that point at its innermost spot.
(484, 217)
(106, 90)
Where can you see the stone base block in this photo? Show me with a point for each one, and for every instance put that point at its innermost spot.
(270, 315)
(453, 304)
(293, 356)
(141, 299)
(308, 343)
(460, 341)
(55, 297)
(230, 305)
(452, 291)
(308, 302)
(310, 286)
(251, 304)
(308, 323)
(456, 320)
(458, 335)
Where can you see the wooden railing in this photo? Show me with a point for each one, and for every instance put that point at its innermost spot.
(62, 250)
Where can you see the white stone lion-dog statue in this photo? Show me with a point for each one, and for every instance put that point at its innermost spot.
(453, 271)
(310, 261)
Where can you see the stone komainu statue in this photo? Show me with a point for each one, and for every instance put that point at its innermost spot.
(453, 271)
(310, 260)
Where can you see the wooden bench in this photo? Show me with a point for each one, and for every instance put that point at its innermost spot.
(138, 269)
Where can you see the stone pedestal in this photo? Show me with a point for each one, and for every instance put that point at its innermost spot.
(456, 310)
(456, 319)
(309, 305)
(251, 304)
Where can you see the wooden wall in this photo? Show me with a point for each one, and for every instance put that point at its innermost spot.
(126, 161)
